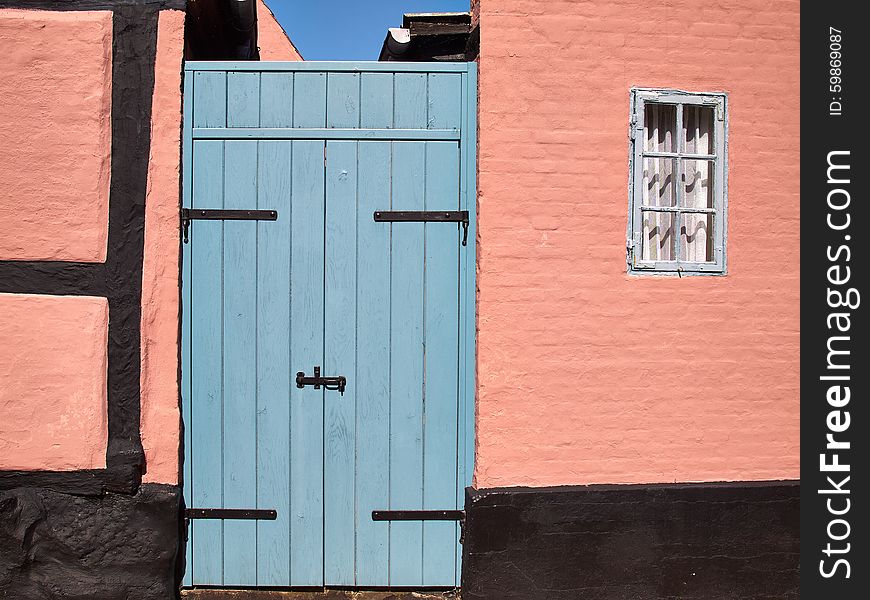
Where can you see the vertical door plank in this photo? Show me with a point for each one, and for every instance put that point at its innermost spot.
(467, 289)
(186, 388)
(274, 241)
(276, 99)
(339, 348)
(406, 332)
(240, 363)
(411, 103)
(186, 404)
(373, 366)
(342, 101)
(309, 100)
(273, 333)
(243, 99)
(210, 99)
(441, 375)
(445, 100)
(306, 351)
(376, 100)
(406, 370)
(206, 364)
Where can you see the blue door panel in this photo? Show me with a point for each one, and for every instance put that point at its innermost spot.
(441, 361)
(383, 304)
(372, 375)
(406, 364)
(306, 351)
(239, 320)
(205, 254)
(339, 447)
(273, 255)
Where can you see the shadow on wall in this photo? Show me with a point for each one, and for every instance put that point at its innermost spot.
(221, 30)
(235, 30)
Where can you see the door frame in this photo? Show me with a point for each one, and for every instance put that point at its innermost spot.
(468, 201)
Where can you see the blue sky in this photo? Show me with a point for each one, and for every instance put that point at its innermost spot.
(348, 29)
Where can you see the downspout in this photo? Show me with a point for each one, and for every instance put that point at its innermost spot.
(241, 22)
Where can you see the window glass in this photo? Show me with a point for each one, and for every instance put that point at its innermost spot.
(697, 130)
(697, 181)
(658, 235)
(696, 237)
(659, 182)
(659, 125)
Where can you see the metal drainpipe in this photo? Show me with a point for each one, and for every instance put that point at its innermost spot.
(242, 28)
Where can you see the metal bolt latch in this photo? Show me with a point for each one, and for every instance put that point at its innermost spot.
(337, 383)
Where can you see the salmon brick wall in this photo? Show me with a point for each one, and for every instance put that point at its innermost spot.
(160, 415)
(588, 374)
(54, 188)
(53, 382)
(55, 134)
(55, 138)
(54, 206)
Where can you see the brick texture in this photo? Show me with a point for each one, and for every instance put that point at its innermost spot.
(587, 374)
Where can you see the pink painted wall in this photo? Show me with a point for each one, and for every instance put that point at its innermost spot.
(55, 127)
(589, 375)
(53, 398)
(271, 38)
(55, 85)
(160, 418)
(53, 382)
(54, 206)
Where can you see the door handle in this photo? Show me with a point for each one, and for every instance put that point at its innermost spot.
(338, 383)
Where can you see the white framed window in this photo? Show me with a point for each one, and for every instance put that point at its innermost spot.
(678, 187)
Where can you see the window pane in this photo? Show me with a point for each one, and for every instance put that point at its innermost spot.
(658, 235)
(659, 183)
(696, 238)
(698, 129)
(659, 127)
(697, 183)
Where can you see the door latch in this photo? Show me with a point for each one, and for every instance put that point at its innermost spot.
(338, 383)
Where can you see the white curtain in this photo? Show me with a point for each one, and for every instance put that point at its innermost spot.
(697, 229)
(658, 186)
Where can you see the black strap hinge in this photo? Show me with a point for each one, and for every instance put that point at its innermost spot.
(249, 514)
(426, 216)
(423, 515)
(219, 214)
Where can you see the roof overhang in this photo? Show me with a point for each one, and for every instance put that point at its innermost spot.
(448, 37)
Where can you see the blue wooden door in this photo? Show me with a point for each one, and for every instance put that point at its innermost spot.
(389, 306)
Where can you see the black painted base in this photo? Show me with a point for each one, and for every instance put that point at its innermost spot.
(713, 541)
(114, 546)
